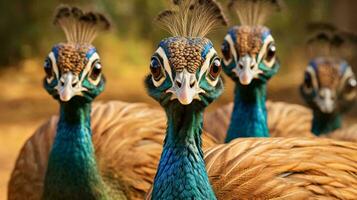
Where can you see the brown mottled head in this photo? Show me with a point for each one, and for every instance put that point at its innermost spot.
(249, 54)
(185, 68)
(329, 85)
(249, 49)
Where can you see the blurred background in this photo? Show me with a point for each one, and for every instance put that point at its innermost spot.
(27, 36)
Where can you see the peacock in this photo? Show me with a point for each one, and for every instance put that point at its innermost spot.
(253, 42)
(329, 87)
(185, 78)
(108, 152)
(292, 120)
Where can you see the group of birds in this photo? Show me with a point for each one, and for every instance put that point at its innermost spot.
(253, 149)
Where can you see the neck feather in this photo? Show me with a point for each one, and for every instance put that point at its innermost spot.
(249, 116)
(72, 171)
(182, 173)
(325, 123)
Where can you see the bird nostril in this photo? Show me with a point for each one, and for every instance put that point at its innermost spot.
(178, 84)
(192, 84)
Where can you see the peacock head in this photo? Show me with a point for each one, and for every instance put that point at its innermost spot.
(185, 68)
(329, 85)
(249, 51)
(73, 68)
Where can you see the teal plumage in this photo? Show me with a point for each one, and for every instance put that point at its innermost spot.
(250, 61)
(72, 171)
(181, 173)
(249, 108)
(185, 79)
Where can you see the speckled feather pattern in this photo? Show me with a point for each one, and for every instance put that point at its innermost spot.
(72, 57)
(121, 132)
(186, 54)
(328, 73)
(249, 39)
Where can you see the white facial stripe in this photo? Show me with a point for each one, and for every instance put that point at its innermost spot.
(229, 39)
(88, 67)
(263, 50)
(312, 73)
(166, 63)
(54, 64)
(207, 62)
(348, 74)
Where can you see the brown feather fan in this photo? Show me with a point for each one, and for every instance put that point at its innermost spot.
(127, 138)
(79, 26)
(192, 18)
(284, 120)
(283, 168)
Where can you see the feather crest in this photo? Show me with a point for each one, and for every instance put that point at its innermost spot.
(192, 18)
(254, 12)
(79, 26)
(327, 40)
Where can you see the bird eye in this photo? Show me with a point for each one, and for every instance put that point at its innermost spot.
(351, 85)
(156, 69)
(271, 51)
(96, 71)
(307, 81)
(215, 69)
(47, 66)
(226, 51)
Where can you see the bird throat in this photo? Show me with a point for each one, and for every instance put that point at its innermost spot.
(72, 171)
(325, 123)
(182, 173)
(249, 116)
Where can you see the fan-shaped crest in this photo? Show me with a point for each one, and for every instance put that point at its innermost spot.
(192, 18)
(79, 26)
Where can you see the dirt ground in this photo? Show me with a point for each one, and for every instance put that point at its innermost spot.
(24, 105)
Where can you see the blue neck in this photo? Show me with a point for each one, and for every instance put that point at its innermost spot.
(325, 123)
(249, 116)
(72, 171)
(182, 173)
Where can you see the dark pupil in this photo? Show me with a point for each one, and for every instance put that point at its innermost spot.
(215, 69)
(308, 81)
(155, 69)
(271, 52)
(226, 51)
(96, 71)
(48, 68)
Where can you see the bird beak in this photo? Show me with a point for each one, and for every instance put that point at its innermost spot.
(245, 70)
(185, 88)
(67, 86)
(325, 100)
